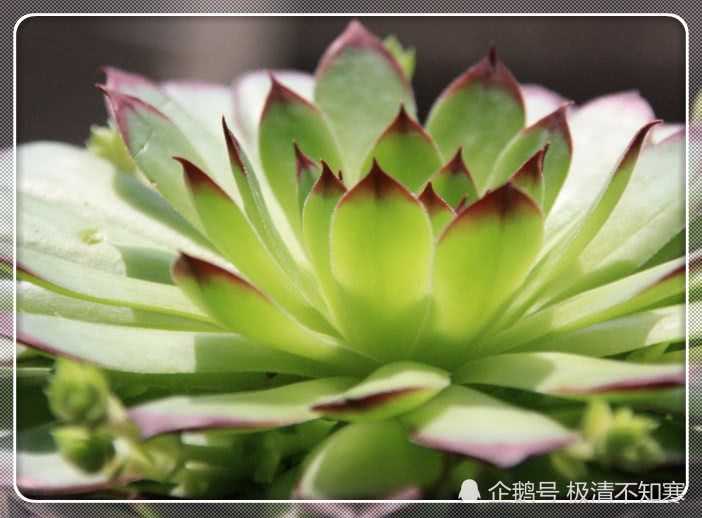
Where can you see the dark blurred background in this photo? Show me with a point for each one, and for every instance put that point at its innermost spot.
(59, 58)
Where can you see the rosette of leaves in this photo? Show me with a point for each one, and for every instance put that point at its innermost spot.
(291, 288)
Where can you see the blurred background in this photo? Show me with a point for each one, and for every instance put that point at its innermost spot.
(59, 58)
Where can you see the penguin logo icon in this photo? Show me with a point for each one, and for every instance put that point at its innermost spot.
(469, 491)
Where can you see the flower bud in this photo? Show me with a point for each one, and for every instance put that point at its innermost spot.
(78, 393)
(88, 450)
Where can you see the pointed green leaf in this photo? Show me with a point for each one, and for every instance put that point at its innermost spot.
(289, 118)
(306, 173)
(530, 176)
(152, 351)
(35, 299)
(480, 112)
(241, 307)
(228, 228)
(454, 183)
(440, 213)
(618, 335)
(465, 421)
(567, 374)
(367, 461)
(359, 88)
(552, 129)
(257, 410)
(250, 92)
(96, 285)
(406, 152)
(650, 212)
(391, 390)
(634, 293)
(316, 224)
(152, 139)
(381, 248)
(196, 119)
(481, 259)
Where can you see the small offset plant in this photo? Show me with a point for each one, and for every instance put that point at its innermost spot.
(292, 289)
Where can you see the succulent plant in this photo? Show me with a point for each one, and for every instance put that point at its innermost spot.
(294, 289)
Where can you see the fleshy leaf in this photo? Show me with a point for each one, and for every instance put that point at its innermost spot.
(152, 139)
(381, 248)
(539, 101)
(196, 120)
(239, 243)
(567, 374)
(598, 142)
(404, 56)
(359, 88)
(242, 308)
(465, 421)
(440, 213)
(454, 183)
(406, 152)
(306, 173)
(479, 112)
(257, 410)
(650, 212)
(289, 118)
(552, 129)
(250, 93)
(367, 461)
(35, 299)
(96, 285)
(618, 335)
(628, 295)
(481, 259)
(316, 224)
(391, 390)
(530, 176)
(142, 350)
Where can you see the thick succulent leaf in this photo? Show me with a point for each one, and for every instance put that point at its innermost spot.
(465, 421)
(618, 335)
(242, 308)
(552, 130)
(250, 93)
(316, 224)
(381, 248)
(440, 213)
(228, 228)
(600, 130)
(391, 390)
(567, 374)
(62, 186)
(153, 351)
(481, 259)
(650, 213)
(480, 111)
(530, 176)
(454, 183)
(359, 87)
(152, 139)
(99, 286)
(205, 102)
(539, 101)
(42, 470)
(306, 173)
(193, 120)
(405, 152)
(367, 461)
(35, 299)
(257, 410)
(634, 293)
(288, 118)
